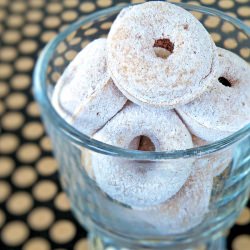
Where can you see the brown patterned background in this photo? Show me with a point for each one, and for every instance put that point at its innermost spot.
(34, 211)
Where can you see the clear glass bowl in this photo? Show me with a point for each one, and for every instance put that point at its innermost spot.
(111, 223)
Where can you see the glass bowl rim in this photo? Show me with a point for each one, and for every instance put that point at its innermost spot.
(82, 140)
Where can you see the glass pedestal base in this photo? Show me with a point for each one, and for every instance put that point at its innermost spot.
(99, 242)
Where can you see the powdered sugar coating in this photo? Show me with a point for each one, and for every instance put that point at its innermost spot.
(153, 81)
(85, 95)
(223, 110)
(186, 209)
(142, 183)
(218, 161)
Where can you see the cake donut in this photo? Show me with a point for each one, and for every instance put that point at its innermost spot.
(85, 95)
(226, 108)
(186, 209)
(160, 55)
(142, 183)
(218, 161)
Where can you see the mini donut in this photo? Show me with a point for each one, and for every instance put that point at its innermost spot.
(186, 209)
(142, 183)
(226, 108)
(138, 43)
(218, 161)
(85, 95)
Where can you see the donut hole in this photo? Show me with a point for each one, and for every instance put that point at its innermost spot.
(225, 82)
(146, 144)
(163, 48)
(142, 143)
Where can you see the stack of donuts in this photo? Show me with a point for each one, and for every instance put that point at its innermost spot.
(157, 83)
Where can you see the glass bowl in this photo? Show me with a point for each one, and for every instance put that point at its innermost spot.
(114, 224)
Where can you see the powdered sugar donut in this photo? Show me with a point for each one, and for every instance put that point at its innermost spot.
(142, 183)
(218, 161)
(85, 95)
(226, 108)
(139, 41)
(186, 209)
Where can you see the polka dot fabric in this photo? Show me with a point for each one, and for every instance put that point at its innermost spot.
(34, 211)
